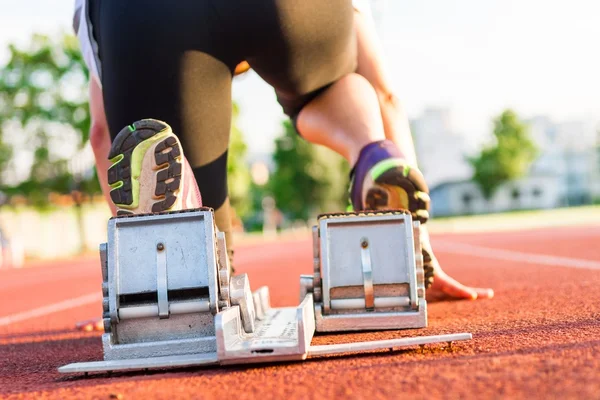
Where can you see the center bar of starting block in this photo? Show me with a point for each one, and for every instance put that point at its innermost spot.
(174, 308)
(379, 302)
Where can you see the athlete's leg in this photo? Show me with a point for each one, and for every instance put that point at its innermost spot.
(344, 118)
(156, 64)
(100, 140)
(371, 65)
(310, 59)
(312, 72)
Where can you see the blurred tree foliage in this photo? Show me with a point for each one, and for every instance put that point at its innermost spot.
(308, 179)
(238, 173)
(43, 97)
(509, 157)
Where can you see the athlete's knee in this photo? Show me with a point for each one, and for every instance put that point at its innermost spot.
(292, 107)
(352, 79)
(356, 80)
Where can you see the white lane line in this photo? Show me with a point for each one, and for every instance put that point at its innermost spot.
(442, 246)
(510, 255)
(51, 308)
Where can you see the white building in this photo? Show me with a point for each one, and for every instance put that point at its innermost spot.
(465, 197)
(440, 150)
(568, 150)
(567, 171)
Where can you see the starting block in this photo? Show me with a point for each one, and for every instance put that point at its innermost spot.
(169, 299)
(368, 272)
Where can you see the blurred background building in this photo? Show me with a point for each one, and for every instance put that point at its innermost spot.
(440, 149)
(565, 173)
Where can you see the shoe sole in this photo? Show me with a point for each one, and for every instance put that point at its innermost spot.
(127, 154)
(415, 199)
(410, 180)
(428, 271)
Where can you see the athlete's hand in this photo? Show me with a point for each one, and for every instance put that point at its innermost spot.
(90, 325)
(445, 287)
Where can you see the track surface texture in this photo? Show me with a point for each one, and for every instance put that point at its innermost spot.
(538, 338)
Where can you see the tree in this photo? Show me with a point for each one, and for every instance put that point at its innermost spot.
(307, 179)
(238, 173)
(508, 158)
(44, 104)
(44, 101)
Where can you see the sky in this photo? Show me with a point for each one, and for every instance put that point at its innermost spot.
(539, 57)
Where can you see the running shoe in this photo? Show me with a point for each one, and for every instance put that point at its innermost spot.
(382, 179)
(149, 172)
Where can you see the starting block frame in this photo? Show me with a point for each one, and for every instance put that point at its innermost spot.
(169, 299)
(386, 292)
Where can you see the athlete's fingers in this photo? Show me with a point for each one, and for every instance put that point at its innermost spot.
(90, 325)
(99, 325)
(446, 287)
(453, 288)
(484, 293)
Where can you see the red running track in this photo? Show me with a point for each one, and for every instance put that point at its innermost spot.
(538, 338)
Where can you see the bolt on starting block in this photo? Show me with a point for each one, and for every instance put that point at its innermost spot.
(169, 299)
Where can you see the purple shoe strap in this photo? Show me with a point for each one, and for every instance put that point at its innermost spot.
(370, 155)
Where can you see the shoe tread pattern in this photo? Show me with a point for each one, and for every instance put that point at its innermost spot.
(168, 162)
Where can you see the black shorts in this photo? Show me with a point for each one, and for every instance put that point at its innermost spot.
(155, 51)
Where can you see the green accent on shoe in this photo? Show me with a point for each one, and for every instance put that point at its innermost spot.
(384, 166)
(406, 170)
(116, 185)
(422, 196)
(349, 208)
(137, 159)
(117, 159)
(131, 128)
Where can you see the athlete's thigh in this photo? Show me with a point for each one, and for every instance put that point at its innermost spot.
(311, 45)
